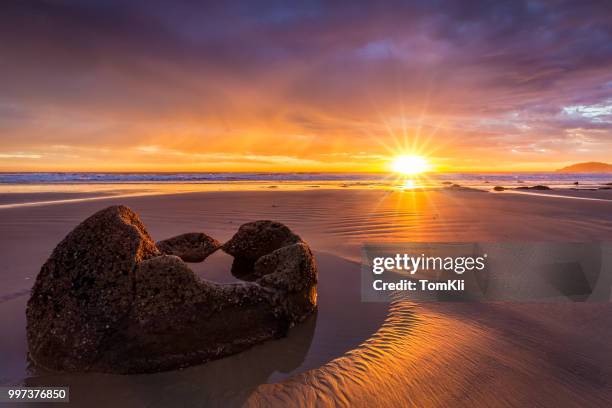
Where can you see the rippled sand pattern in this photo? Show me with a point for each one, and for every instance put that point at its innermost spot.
(465, 355)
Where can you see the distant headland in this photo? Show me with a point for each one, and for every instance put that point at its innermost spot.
(588, 167)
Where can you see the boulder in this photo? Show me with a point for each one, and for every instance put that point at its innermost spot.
(536, 187)
(458, 187)
(107, 300)
(83, 292)
(256, 239)
(291, 273)
(190, 247)
(270, 254)
(498, 188)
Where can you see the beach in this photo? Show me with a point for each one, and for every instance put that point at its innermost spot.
(351, 353)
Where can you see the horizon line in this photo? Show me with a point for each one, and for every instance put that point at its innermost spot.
(287, 172)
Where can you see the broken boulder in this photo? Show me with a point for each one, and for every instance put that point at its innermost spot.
(108, 300)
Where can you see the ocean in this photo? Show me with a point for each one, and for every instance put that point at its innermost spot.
(482, 180)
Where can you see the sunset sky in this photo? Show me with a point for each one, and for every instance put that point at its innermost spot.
(337, 86)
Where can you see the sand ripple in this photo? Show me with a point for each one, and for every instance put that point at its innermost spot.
(436, 355)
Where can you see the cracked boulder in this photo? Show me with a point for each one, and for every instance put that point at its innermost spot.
(108, 300)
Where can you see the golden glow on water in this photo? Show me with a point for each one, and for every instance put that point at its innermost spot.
(186, 187)
(19, 195)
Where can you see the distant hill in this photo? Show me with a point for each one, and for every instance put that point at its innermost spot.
(589, 167)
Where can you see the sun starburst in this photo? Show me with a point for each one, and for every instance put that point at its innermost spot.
(410, 164)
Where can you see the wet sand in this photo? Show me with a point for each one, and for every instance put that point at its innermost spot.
(578, 193)
(428, 354)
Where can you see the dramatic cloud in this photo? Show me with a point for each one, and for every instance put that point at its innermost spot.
(308, 86)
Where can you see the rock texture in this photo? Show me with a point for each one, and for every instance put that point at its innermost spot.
(291, 273)
(107, 300)
(254, 240)
(83, 292)
(190, 247)
(179, 320)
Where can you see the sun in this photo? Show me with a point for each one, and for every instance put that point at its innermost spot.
(410, 164)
